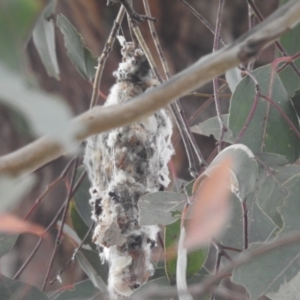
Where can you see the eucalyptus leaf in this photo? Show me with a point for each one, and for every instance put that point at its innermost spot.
(189, 187)
(157, 208)
(81, 199)
(273, 171)
(243, 167)
(195, 260)
(211, 126)
(79, 226)
(83, 290)
(233, 77)
(16, 20)
(288, 290)
(90, 268)
(267, 124)
(260, 226)
(94, 259)
(296, 102)
(7, 242)
(261, 275)
(79, 54)
(44, 40)
(291, 44)
(14, 289)
(45, 113)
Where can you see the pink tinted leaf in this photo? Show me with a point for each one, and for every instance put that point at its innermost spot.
(13, 225)
(211, 207)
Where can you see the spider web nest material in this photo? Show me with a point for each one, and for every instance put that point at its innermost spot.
(123, 165)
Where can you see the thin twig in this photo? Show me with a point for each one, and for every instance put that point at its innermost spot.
(251, 19)
(24, 265)
(100, 119)
(49, 187)
(232, 249)
(293, 57)
(217, 266)
(102, 59)
(215, 81)
(38, 243)
(245, 224)
(53, 222)
(73, 256)
(202, 19)
(207, 284)
(63, 220)
(278, 44)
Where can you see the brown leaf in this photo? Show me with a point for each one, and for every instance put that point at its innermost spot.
(210, 208)
(13, 225)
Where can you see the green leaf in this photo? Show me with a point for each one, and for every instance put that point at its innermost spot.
(275, 271)
(211, 126)
(44, 40)
(195, 259)
(189, 187)
(14, 289)
(16, 20)
(157, 208)
(79, 226)
(271, 192)
(90, 263)
(81, 199)
(19, 123)
(267, 124)
(260, 226)
(296, 101)
(291, 44)
(80, 55)
(6, 243)
(233, 77)
(83, 290)
(288, 290)
(39, 108)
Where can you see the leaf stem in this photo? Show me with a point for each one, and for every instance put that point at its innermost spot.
(202, 19)
(245, 224)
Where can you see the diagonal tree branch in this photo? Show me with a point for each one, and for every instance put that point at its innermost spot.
(100, 119)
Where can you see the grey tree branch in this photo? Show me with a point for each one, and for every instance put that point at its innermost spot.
(207, 284)
(100, 119)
